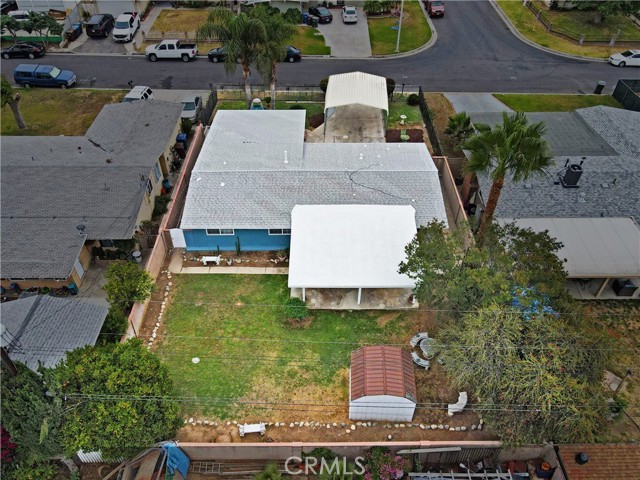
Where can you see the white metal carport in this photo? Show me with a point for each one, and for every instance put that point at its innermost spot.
(350, 246)
(356, 87)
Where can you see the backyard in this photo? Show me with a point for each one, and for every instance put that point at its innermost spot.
(574, 23)
(415, 31)
(58, 112)
(256, 365)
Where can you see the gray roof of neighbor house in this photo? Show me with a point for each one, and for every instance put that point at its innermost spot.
(43, 328)
(52, 185)
(605, 141)
(243, 179)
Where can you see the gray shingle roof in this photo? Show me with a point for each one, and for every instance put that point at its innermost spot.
(242, 181)
(50, 185)
(597, 194)
(44, 328)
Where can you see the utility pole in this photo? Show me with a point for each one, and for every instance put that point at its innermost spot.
(400, 26)
(8, 362)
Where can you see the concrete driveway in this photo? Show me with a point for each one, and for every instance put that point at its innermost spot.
(98, 45)
(476, 103)
(347, 40)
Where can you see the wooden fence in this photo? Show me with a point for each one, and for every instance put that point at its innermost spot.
(163, 244)
(580, 39)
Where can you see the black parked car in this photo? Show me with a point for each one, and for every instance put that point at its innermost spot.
(219, 54)
(322, 13)
(23, 50)
(100, 25)
(6, 7)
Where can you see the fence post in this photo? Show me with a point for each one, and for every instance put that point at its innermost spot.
(581, 41)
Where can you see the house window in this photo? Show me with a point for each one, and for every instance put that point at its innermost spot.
(220, 231)
(279, 231)
(106, 243)
(156, 171)
(149, 187)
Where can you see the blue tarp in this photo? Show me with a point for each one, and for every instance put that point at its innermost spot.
(531, 303)
(176, 459)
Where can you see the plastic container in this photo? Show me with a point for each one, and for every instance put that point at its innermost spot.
(305, 16)
(77, 27)
(137, 256)
(182, 138)
(315, 21)
(309, 20)
(73, 288)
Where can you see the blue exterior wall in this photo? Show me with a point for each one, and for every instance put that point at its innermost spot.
(250, 240)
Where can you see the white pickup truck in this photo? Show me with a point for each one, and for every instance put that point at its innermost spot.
(126, 27)
(171, 49)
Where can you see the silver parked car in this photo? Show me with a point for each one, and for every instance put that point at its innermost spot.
(191, 107)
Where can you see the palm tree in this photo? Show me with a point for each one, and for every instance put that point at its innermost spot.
(459, 126)
(10, 97)
(273, 50)
(514, 148)
(269, 473)
(241, 36)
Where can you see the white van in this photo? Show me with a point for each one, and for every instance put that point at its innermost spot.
(139, 92)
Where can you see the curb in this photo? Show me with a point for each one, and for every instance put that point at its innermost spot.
(533, 44)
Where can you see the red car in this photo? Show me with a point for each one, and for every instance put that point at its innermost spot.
(435, 8)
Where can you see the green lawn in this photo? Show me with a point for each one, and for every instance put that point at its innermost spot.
(235, 324)
(281, 104)
(554, 103)
(415, 31)
(399, 107)
(310, 41)
(49, 111)
(575, 22)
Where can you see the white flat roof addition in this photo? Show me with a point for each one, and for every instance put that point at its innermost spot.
(350, 246)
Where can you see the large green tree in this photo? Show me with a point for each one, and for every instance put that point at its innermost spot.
(42, 24)
(241, 35)
(120, 399)
(11, 97)
(127, 284)
(514, 150)
(273, 49)
(452, 272)
(11, 25)
(533, 379)
(607, 8)
(32, 414)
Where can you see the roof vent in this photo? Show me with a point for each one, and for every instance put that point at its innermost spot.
(528, 185)
(582, 458)
(80, 228)
(571, 176)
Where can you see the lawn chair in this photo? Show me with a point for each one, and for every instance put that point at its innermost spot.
(421, 362)
(427, 347)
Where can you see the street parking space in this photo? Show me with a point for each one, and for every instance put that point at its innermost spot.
(347, 40)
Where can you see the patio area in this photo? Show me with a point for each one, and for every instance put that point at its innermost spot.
(347, 299)
(587, 289)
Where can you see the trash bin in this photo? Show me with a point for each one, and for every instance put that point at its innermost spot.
(137, 256)
(77, 27)
(305, 17)
(309, 20)
(71, 34)
(73, 288)
(315, 21)
(599, 87)
(182, 138)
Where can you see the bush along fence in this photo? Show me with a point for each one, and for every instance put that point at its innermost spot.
(428, 124)
(580, 39)
(627, 92)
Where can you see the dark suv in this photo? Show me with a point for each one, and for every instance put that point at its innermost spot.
(100, 25)
(324, 15)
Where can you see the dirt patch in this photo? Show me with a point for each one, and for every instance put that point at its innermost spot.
(301, 324)
(441, 110)
(416, 135)
(245, 259)
(386, 318)
(316, 120)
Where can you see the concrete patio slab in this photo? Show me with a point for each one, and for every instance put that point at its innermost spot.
(476, 102)
(355, 124)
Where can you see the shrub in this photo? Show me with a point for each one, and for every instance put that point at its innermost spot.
(292, 15)
(391, 86)
(36, 471)
(115, 324)
(296, 107)
(413, 100)
(296, 308)
(267, 100)
(160, 206)
(323, 84)
(128, 244)
(186, 125)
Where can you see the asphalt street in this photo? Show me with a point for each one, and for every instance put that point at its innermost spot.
(475, 52)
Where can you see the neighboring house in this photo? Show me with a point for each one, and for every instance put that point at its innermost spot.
(617, 460)
(382, 384)
(582, 198)
(42, 329)
(63, 195)
(114, 7)
(255, 167)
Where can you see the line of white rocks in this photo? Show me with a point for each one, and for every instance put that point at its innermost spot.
(348, 428)
(163, 305)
